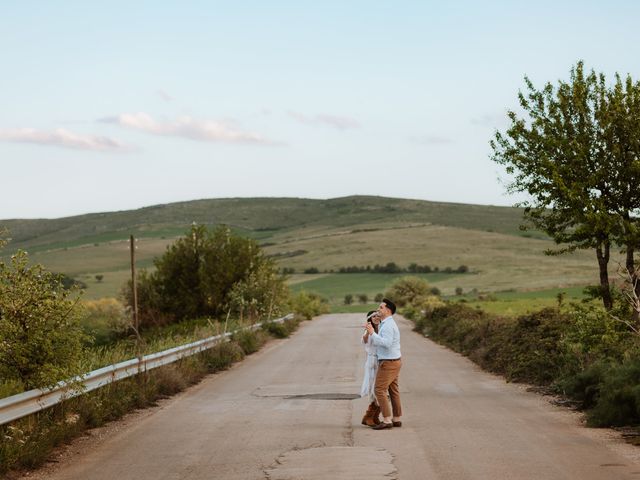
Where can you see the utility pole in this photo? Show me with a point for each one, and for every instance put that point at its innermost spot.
(134, 289)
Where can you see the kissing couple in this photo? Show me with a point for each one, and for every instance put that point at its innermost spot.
(381, 341)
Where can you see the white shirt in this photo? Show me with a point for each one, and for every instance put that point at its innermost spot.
(387, 339)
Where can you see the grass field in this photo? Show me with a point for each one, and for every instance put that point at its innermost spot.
(326, 234)
(521, 302)
(335, 286)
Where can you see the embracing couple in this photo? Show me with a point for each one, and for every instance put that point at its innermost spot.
(382, 368)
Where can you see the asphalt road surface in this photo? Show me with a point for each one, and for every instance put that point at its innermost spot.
(287, 412)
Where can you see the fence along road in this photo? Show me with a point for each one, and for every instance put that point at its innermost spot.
(23, 404)
(286, 413)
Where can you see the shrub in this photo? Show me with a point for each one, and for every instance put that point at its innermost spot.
(348, 299)
(261, 294)
(618, 396)
(105, 320)
(459, 291)
(378, 298)
(222, 356)
(308, 305)
(408, 290)
(198, 273)
(249, 341)
(363, 298)
(278, 330)
(42, 340)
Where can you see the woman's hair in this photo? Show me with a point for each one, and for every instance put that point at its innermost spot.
(375, 327)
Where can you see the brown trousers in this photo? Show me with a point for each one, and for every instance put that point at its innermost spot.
(387, 387)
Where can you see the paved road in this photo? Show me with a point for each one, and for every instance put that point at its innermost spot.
(282, 414)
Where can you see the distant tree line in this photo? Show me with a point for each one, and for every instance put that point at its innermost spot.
(390, 267)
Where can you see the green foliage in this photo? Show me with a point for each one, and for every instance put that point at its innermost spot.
(105, 320)
(70, 283)
(583, 352)
(263, 294)
(202, 274)
(28, 441)
(249, 341)
(308, 305)
(348, 299)
(577, 156)
(363, 298)
(281, 329)
(378, 298)
(42, 340)
(408, 290)
(278, 330)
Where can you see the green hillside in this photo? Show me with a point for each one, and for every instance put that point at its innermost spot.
(305, 233)
(259, 217)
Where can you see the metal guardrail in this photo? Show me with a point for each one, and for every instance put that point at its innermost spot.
(23, 404)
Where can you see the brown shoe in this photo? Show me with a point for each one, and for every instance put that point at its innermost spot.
(383, 426)
(397, 424)
(371, 416)
(376, 414)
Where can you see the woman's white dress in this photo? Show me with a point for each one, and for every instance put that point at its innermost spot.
(370, 371)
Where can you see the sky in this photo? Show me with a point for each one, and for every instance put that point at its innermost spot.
(118, 105)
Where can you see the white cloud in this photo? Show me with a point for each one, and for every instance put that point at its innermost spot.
(431, 140)
(188, 127)
(335, 121)
(61, 137)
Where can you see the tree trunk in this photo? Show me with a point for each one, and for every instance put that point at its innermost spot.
(602, 252)
(633, 276)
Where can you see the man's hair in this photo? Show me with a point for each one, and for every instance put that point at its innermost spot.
(390, 305)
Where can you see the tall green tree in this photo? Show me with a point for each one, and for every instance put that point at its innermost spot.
(571, 152)
(620, 122)
(202, 274)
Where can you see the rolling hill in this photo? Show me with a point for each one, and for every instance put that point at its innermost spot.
(304, 233)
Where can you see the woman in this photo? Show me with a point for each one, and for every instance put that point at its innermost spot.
(371, 417)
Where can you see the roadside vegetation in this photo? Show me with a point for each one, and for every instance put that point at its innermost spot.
(50, 334)
(575, 153)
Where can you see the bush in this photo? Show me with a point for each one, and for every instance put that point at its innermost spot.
(308, 305)
(408, 290)
(106, 320)
(201, 274)
(363, 298)
(249, 341)
(348, 299)
(618, 396)
(278, 330)
(582, 352)
(378, 298)
(42, 340)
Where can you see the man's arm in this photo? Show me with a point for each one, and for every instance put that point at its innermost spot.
(383, 340)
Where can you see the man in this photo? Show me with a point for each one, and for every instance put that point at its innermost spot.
(387, 340)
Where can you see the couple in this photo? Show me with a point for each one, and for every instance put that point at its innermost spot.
(382, 368)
